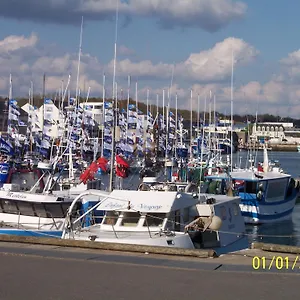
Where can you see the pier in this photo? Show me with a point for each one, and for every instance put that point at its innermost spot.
(41, 271)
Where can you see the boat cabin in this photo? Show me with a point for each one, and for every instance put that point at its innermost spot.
(147, 211)
(150, 214)
(264, 187)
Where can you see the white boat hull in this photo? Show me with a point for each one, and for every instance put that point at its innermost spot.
(31, 222)
(179, 240)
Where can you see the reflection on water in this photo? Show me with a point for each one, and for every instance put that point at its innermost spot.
(277, 233)
(286, 232)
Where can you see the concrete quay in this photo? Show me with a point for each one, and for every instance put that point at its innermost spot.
(37, 271)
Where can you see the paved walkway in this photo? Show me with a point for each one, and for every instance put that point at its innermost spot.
(51, 272)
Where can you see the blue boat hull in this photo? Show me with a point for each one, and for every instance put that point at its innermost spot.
(255, 212)
(32, 232)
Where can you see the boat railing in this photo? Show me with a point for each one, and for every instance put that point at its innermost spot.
(22, 224)
(91, 219)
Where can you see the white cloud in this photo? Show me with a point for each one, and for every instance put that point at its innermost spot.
(202, 72)
(206, 66)
(22, 57)
(13, 43)
(206, 14)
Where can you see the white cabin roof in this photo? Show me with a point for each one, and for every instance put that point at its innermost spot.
(147, 201)
(27, 196)
(250, 175)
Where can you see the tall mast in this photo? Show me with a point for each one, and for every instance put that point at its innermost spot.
(231, 106)
(115, 50)
(198, 115)
(191, 125)
(78, 66)
(176, 122)
(112, 158)
(127, 108)
(44, 89)
(103, 115)
(31, 103)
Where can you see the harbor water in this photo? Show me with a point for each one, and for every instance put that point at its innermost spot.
(286, 232)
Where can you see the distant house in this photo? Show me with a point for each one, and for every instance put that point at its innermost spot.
(275, 132)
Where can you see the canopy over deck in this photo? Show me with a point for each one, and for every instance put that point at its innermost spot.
(147, 201)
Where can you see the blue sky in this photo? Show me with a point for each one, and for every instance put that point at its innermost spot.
(263, 35)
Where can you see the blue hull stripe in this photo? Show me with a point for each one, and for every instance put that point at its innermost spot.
(255, 202)
(20, 232)
(267, 217)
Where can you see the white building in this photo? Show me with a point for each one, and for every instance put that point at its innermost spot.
(96, 109)
(275, 132)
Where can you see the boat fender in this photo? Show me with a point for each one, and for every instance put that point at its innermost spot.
(297, 184)
(259, 195)
(143, 187)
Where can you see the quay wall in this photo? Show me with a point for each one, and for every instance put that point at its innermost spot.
(199, 253)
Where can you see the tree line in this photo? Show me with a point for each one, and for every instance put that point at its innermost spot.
(185, 113)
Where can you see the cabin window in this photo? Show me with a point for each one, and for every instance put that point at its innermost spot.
(154, 220)
(235, 209)
(9, 206)
(130, 219)
(276, 190)
(250, 187)
(186, 215)
(54, 210)
(174, 221)
(39, 210)
(177, 220)
(111, 218)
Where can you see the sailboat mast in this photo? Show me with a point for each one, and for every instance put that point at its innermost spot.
(127, 108)
(231, 108)
(44, 89)
(112, 158)
(191, 125)
(78, 66)
(31, 106)
(198, 115)
(103, 115)
(209, 121)
(176, 122)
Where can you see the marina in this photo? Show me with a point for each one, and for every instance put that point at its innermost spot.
(138, 159)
